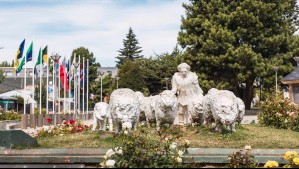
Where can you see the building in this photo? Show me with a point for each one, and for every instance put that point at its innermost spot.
(13, 82)
(292, 84)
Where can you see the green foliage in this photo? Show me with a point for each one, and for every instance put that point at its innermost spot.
(245, 37)
(141, 150)
(156, 69)
(108, 85)
(242, 159)
(36, 111)
(279, 113)
(11, 115)
(131, 76)
(131, 49)
(44, 94)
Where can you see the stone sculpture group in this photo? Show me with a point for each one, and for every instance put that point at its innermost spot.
(183, 105)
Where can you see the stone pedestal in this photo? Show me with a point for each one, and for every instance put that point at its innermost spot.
(24, 122)
(40, 119)
(59, 119)
(32, 121)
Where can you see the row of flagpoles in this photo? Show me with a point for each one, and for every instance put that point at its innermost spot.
(68, 71)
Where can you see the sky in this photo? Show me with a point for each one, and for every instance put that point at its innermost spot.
(99, 25)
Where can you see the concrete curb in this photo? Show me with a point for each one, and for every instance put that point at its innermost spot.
(95, 156)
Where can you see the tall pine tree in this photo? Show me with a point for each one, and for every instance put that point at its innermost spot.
(131, 50)
(229, 43)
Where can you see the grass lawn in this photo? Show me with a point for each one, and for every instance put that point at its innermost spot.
(254, 135)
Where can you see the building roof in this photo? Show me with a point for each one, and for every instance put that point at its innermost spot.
(26, 94)
(293, 77)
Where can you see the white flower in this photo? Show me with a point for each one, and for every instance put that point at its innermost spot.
(247, 147)
(110, 163)
(119, 150)
(109, 153)
(127, 125)
(126, 132)
(105, 157)
(166, 138)
(173, 145)
(179, 159)
(180, 153)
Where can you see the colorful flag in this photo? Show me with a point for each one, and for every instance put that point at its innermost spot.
(45, 56)
(63, 75)
(19, 55)
(39, 68)
(19, 69)
(29, 53)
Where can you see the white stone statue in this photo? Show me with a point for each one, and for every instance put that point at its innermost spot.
(124, 108)
(101, 114)
(223, 107)
(146, 111)
(163, 107)
(196, 109)
(185, 84)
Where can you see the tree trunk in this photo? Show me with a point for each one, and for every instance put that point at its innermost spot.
(248, 94)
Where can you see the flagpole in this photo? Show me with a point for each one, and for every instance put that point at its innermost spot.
(79, 78)
(59, 87)
(75, 74)
(87, 87)
(47, 86)
(64, 77)
(53, 84)
(83, 84)
(33, 82)
(70, 86)
(25, 82)
(40, 82)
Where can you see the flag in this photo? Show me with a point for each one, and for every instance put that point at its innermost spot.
(19, 55)
(29, 53)
(84, 76)
(39, 68)
(63, 75)
(45, 56)
(20, 67)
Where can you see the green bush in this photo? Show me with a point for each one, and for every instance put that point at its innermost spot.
(279, 113)
(141, 150)
(36, 111)
(10, 115)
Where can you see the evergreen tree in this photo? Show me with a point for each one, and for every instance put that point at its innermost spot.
(131, 76)
(131, 49)
(231, 42)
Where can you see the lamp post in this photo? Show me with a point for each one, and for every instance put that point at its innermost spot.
(166, 79)
(101, 74)
(117, 78)
(55, 58)
(76, 65)
(275, 68)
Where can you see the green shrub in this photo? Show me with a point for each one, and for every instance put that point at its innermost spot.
(242, 159)
(141, 150)
(10, 115)
(279, 113)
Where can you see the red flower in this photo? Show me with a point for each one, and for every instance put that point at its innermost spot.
(72, 122)
(48, 120)
(66, 124)
(79, 128)
(86, 126)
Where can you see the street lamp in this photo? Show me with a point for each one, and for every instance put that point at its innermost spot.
(101, 74)
(117, 78)
(55, 58)
(275, 68)
(166, 79)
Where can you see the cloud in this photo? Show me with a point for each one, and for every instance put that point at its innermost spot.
(99, 26)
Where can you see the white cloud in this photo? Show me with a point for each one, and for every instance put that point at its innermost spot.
(99, 26)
